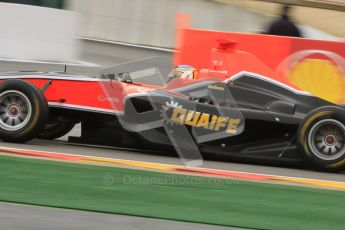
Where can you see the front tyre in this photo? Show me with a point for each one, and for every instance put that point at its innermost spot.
(23, 111)
(321, 137)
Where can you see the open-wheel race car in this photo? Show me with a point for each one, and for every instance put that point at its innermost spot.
(236, 107)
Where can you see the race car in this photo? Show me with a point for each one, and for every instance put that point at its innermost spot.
(235, 107)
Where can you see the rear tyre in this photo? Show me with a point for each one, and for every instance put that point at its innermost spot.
(321, 137)
(23, 111)
(55, 129)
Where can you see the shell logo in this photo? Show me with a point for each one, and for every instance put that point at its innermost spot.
(319, 72)
(322, 78)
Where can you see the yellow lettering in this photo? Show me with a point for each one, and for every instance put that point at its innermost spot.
(232, 126)
(192, 118)
(215, 87)
(178, 115)
(213, 122)
(204, 120)
(221, 122)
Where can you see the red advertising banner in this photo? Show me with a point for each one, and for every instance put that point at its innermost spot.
(312, 65)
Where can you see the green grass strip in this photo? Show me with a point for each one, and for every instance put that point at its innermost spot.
(169, 196)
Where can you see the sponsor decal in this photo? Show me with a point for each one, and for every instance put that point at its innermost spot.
(213, 71)
(110, 99)
(180, 116)
(321, 78)
(215, 87)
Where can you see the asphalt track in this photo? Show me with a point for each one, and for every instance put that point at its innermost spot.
(43, 218)
(105, 55)
(62, 146)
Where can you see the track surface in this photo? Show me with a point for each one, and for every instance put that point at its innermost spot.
(61, 145)
(43, 218)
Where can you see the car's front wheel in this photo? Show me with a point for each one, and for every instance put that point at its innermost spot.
(322, 138)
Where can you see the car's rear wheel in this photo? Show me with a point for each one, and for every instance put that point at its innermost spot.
(23, 111)
(322, 138)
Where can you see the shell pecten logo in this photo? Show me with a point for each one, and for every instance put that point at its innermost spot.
(322, 78)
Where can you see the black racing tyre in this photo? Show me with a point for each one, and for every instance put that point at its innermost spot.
(321, 138)
(55, 129)
(23, 111)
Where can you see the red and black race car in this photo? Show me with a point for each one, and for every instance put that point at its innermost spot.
(236, 107)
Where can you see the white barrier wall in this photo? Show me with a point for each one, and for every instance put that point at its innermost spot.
(37, 33)
(151, 22)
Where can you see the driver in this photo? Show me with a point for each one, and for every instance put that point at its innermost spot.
(184, 72)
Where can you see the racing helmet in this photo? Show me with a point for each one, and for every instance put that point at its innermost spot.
(183, 71)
